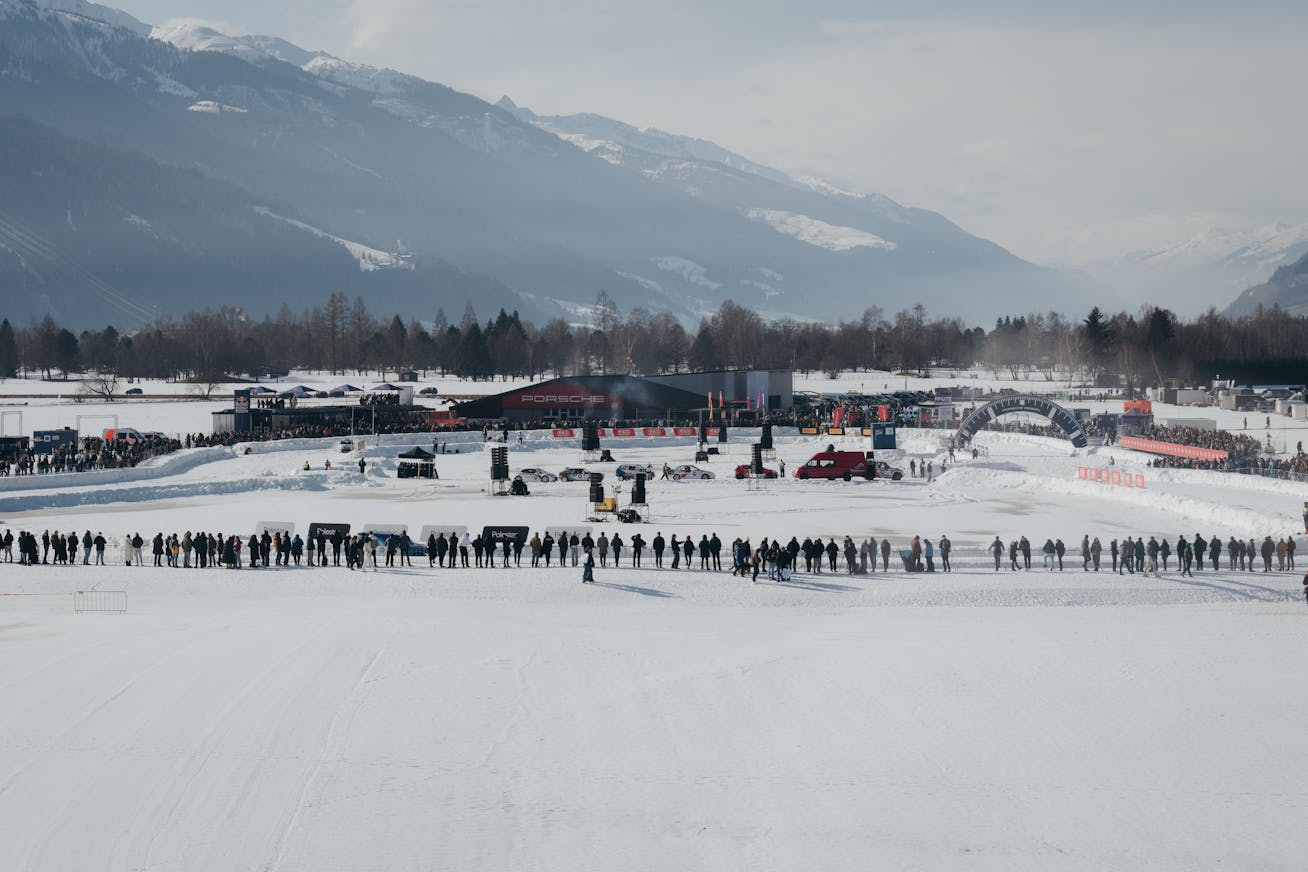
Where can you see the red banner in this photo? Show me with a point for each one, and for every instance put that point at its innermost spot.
(562, 434)
(684, 431)
(623, 431)
(711, 431)
(1171, 449)
(654, 431)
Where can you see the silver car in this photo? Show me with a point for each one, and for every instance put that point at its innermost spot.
(687, 470)
(532, 473)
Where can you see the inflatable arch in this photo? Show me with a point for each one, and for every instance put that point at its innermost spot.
(1056, 414)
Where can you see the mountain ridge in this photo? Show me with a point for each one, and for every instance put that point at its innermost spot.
(374, 155)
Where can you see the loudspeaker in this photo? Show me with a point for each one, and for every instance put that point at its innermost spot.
(722, 433)
(499, 464)
(638, 490)
(703, 433)
(596, 488)
(756, 459)
(590, 437)
(765, 441)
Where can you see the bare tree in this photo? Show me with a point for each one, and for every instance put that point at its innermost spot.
(103, 385)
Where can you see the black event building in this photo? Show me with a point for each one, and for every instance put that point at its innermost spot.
(619, 397)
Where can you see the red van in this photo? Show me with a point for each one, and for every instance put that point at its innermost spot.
(843, 465)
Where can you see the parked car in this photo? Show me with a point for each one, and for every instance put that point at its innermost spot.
(533, 473)
(630, 470)
(885, 470)
(133, 392)
(429, 392)
(574, 473)
(742, 471)
(687, 470)
(844, 465)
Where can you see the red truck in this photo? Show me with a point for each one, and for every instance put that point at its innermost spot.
(843, 465)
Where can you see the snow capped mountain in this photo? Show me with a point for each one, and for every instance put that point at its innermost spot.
(95, 12)
(549, 208)
(1287, 288)
(1208, 269)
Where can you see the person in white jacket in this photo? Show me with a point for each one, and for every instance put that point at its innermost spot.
(465, 542)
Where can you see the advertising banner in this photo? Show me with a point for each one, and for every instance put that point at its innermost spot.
(442, 530)
(1171, 449)
(563, 434)
(505, 534)
(557, 530)
(327, 529)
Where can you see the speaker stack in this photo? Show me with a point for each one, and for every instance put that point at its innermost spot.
(499, 471)
(597, 487)
(722, 433)
(765, 440)
(638, 490)
(590, 441)
(756, 459)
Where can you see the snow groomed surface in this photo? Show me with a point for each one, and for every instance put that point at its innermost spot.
(310, 719)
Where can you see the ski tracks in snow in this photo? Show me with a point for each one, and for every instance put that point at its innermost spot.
(331, 753)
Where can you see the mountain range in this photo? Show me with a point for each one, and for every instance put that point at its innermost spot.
(1207, 270)
(157, 169)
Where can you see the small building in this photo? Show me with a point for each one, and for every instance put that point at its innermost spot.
(407, 375)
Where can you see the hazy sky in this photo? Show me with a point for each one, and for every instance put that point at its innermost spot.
(1066, 132)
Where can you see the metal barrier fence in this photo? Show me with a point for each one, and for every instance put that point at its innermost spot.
(114, 601)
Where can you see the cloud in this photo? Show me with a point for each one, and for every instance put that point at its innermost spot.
(835, 27)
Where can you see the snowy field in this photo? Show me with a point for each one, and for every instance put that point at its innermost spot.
(417, 719)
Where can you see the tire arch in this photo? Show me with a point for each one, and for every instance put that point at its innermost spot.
(1057, 415)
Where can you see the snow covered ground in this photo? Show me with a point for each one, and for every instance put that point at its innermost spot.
(312, 719)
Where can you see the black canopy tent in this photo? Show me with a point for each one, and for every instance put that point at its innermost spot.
(416, 463)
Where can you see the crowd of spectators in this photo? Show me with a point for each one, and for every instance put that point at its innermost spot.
(90, 453)
(1236, 445)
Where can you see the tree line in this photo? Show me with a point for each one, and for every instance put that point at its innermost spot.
(341, 335)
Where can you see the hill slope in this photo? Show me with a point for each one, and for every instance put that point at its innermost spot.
(377, 156)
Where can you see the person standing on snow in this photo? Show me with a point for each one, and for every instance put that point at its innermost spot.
(997, 549)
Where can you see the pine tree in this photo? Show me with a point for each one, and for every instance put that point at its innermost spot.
(8, 350)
